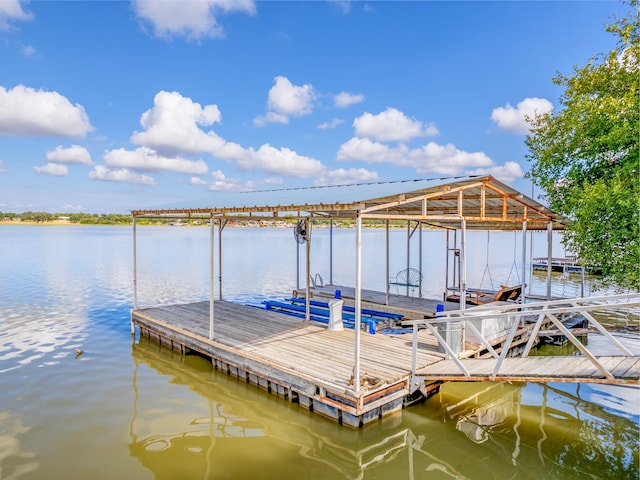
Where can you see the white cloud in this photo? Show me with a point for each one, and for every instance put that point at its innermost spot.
(391, 125)
(197, 181)
(25, 111)
(270, 117)
(148, 160)
(172, 126)
(345, 99)
(222, 183)
(445, 159)
(77, 208)
(287, 100)
(100, 172)
(28, 51)
(515, 119)
(431, 158)
(282, 161)
(343, 5)
(506, 173)
(341, 176)
(53, 169)
(73, 154)
(193, 20)
(11, 10)
(332, 124)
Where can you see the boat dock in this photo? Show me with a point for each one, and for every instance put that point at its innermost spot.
(305, 362)
(352, 376)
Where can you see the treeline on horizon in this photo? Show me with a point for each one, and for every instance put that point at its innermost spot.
(126, 219)
(82, 218)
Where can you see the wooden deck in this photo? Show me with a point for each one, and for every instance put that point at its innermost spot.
(626, 370)
(297, 360)
(309, 364)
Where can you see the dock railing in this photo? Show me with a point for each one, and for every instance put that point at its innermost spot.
(524, 319)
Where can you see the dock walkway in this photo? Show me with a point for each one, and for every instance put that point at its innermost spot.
(536, 369)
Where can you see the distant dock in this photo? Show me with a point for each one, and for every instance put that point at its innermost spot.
(562, 264)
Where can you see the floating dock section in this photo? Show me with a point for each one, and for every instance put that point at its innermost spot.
(296, 360)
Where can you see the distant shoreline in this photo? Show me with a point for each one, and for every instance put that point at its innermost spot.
(67, 223)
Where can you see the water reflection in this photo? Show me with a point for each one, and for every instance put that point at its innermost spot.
(470, 431)
(246, 433)
(548, 428)
(14, 460)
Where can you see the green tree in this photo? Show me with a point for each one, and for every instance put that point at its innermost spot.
(585, 157)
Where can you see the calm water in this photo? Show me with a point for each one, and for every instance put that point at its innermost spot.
(128, 409)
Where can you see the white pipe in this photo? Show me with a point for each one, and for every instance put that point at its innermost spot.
(463, 264)
(524, 261)
(549, 257)
(135, 275)
(408, 251)
(220, 227)
(387, 262)
(420, 259)
(358, 302)
(307, 315)
(331, 251)
(297, 264)
(211, 278)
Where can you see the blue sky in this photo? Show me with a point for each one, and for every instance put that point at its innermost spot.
(109, 106)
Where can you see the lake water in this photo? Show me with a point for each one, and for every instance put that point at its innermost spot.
(127, 409)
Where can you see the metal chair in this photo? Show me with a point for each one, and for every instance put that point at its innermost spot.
(409, 278)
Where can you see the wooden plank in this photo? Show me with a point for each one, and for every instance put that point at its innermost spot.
(283, 350)
(561, 368)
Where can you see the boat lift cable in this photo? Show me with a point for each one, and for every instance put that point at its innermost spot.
(514, 265)
(487, 271)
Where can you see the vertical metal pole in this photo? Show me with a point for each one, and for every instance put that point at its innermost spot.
(463, 264)
(463, 256)
(446, 265)
(524, 260)
(358, 302)
(331, 251)
(211, 276)
(420, 259)
(135, 275)
(408, 250)
(220, 227)
(456, 262)
(387, 262)
(549, 257)
(307, 315)
(297, 265)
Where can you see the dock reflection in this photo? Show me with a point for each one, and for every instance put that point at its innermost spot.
(247, 433)
(526, 429)
(219, 427)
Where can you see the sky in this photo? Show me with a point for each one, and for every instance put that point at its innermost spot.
(110, 106)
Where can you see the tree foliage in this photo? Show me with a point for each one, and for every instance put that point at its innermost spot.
(585, 157)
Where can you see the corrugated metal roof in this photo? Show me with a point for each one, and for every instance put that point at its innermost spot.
(485, 203)
(324, 195)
